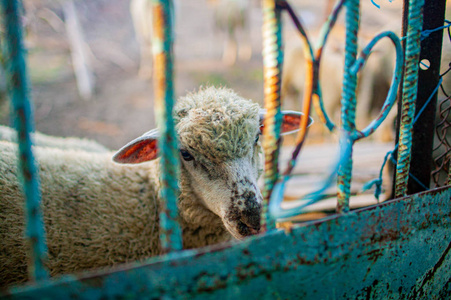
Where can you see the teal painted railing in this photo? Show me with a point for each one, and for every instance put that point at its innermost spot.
(171, 235)
(22, 113)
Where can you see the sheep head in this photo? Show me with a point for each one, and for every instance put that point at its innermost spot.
(218, 135)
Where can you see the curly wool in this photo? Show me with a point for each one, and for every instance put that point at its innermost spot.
(216, 123)
(98, 213)
(88, 225)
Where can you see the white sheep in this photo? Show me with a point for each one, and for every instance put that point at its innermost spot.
(372, 87)
(43, 140)
(141, 13)
(331, 78)
(98, 213)
(231, 17)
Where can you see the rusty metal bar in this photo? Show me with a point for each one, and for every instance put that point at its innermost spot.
(424, 127)
(170, 232)
(415, 20)
(272, 64)
(348, 103)
(394, 154)
(22, 112)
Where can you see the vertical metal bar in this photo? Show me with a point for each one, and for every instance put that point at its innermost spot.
(272, 62)
(170, 232)
(392, 166)
(424, 127)
(348, 104)
(18, 89)
(415, 22)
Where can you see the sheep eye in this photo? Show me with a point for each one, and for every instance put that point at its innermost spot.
(257, 138)
(186, 156)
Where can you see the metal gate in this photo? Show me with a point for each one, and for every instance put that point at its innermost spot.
(396, 249)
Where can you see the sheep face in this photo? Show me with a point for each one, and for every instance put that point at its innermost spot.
(218, 134)
(228, 188)
(219, 147)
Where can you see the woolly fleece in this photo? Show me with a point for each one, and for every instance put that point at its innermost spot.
(98, 213)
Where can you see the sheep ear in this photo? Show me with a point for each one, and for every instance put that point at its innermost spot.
(139, 150)
(290, 122)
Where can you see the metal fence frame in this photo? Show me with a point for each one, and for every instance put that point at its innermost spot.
(205, 280)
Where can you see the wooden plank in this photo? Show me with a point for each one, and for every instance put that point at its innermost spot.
(315, 163)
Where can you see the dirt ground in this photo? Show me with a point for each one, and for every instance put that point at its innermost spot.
(122, 107)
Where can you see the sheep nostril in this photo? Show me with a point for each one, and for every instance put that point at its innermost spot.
(251, 218)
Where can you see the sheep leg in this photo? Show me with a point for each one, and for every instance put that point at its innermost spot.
(230, 50)
(245, 47)
(145, 66)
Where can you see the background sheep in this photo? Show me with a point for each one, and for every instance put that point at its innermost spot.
(232, 19)
(373, 84)
(98, 213)
(141, 13)
(42, 140)
(331, 78)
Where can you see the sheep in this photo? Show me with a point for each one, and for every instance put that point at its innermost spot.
(100, 213)
(231, 17)
(141, 13)
(372, 87)
(376, 80)
(43, 140)
(331, 78)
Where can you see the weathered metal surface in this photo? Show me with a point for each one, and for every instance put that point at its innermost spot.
(400, 249)
(423, 129)
(415, 21)
(272, 63)
(170, 232)
(18, 90)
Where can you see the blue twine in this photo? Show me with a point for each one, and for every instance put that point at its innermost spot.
(375, 4)
(424, 34)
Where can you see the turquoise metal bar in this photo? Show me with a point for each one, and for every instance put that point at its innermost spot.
(396, 78)
(277, 213)
(415, 23)
(170, 232)
(322, 40)
(18, 89)
(272, 62)
(348, 103)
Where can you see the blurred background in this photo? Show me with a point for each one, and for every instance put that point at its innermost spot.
(90, 78)
(121, 105)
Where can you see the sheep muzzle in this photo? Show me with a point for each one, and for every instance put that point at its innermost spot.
(243, 216)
